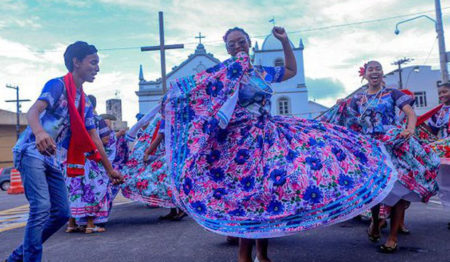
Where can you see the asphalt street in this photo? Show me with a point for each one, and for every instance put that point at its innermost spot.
(135, 233)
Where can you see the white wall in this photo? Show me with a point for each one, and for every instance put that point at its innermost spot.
(293, 88)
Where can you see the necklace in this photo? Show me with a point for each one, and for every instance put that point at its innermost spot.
(369, 103)
(442, 119)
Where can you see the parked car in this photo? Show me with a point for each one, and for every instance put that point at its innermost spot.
(5, 174)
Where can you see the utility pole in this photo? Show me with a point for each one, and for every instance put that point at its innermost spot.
(441, 41)
(399, 63)
(17, 101)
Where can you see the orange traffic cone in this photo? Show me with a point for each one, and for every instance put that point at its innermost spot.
(16, 186)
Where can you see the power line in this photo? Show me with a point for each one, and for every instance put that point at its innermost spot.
(431, 50)
(312, 29)
(320, 28)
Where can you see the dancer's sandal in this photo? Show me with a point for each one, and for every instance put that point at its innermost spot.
(373, 237)
(403, 230)
(388, 250)
(70, 229)
(96, 229)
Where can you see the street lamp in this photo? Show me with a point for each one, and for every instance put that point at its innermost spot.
(440, 35)
(397, 31)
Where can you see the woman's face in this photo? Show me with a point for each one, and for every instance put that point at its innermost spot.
(444, 95)
(237, 42)
(374, 74)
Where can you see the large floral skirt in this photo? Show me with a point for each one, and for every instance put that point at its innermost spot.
(273, 176)
(147, 182)
(416, 162)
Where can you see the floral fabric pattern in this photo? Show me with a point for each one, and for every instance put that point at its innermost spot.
(262, 175)
(147, 182)
(92, 195)
(416, 163)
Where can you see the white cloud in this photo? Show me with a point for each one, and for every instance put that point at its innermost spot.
(105, 87)
(31, 22)
(11, 49)
(330, 53)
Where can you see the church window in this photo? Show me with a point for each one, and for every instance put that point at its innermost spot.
(279, 62)
(284, 106)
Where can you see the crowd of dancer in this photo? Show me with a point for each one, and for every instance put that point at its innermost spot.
(211, 150)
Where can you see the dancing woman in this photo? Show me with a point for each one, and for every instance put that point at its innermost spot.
(437, 134)
(239, 171)
(146, 173)
(372, 112)
(91, 195)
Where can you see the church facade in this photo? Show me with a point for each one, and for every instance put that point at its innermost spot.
(290, 97)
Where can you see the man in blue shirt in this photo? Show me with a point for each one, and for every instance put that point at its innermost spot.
(42, 148)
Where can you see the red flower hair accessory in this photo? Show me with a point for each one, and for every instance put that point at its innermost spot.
(362, 71)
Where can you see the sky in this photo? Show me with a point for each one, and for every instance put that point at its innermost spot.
(339, 36)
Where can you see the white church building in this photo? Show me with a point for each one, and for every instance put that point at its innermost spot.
(290, 97)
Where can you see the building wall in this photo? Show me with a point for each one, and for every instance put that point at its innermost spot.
(315, 110)
(114, 107)
(147, 102)
(418, 79)
(293, 89)
(7, 141)
(10, 118)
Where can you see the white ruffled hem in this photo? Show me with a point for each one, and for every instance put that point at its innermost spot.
(443, 180)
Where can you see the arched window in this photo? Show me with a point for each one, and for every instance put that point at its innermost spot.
(284, 107)
(279, 62)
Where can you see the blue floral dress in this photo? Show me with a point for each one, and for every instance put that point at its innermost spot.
(439, 124)
(239, 171)
(374, 115)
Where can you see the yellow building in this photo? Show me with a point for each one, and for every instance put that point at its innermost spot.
(8, 135)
